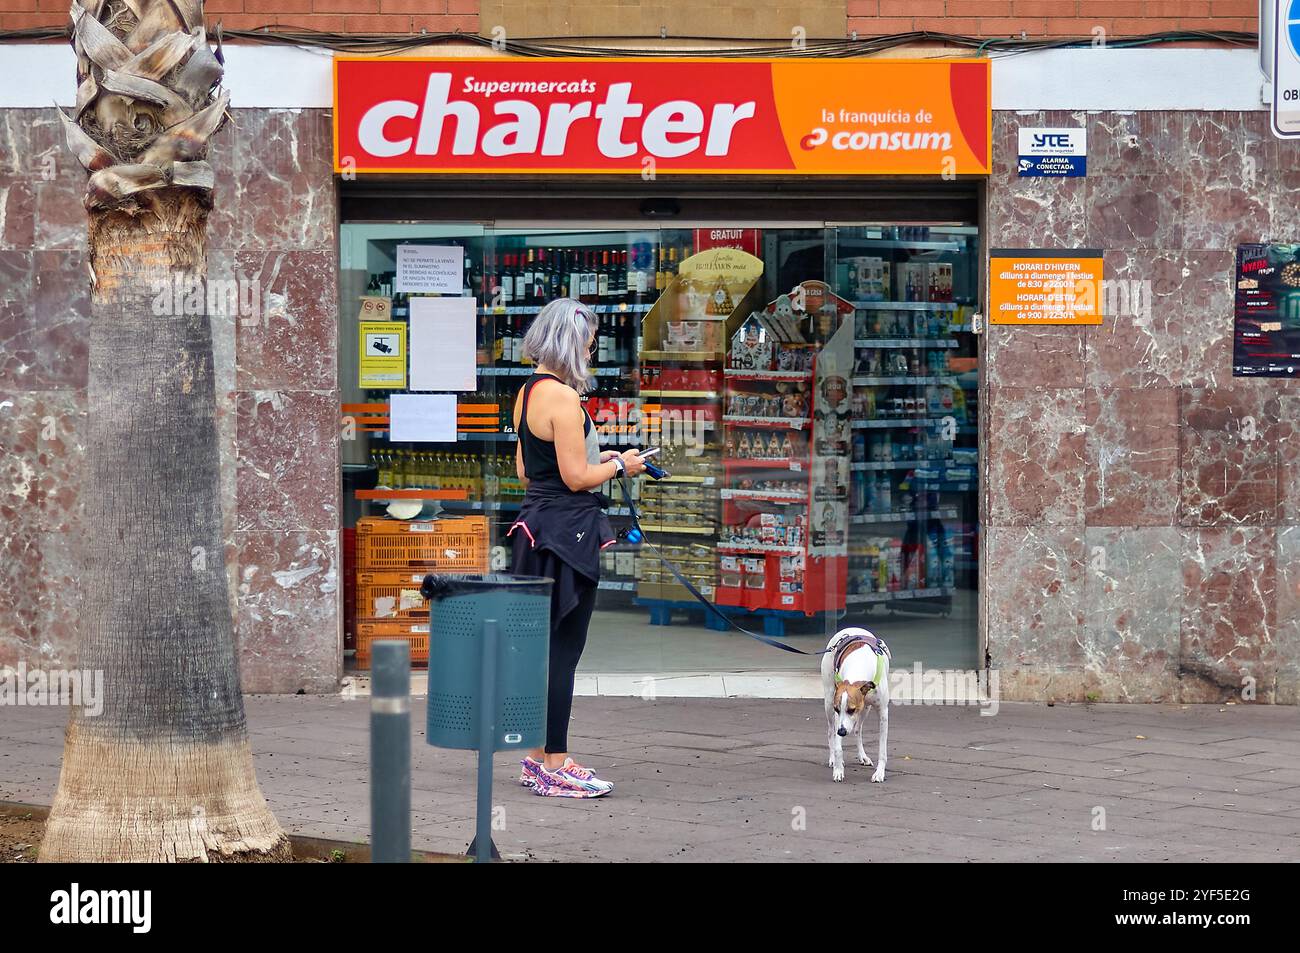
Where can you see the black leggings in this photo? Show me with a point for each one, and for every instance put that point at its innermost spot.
(568, 639)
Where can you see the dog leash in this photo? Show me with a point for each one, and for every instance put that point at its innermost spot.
(635, 534)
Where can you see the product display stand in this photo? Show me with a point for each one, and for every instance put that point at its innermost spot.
(785, 498)
(682, 382)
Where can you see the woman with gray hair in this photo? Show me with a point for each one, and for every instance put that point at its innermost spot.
(562, 526)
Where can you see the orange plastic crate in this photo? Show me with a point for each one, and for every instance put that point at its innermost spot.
(390, 596)
(416, 635)
(444, 545)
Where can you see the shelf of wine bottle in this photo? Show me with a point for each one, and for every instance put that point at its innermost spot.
(624, 307)
(526, 371)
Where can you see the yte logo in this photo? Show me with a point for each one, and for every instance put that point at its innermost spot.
(1051, 140)
(580, 535)
(76, 906)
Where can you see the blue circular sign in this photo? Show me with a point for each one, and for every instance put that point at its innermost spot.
(1293, 27)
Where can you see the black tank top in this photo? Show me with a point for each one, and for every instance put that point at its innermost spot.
(540, 462)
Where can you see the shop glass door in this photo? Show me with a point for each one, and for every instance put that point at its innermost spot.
(913, 502)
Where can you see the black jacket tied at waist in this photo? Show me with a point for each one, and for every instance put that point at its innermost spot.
(559, 534)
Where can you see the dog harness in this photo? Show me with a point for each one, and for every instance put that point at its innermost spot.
(847, 645)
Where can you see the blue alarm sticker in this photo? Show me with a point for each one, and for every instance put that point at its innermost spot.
(1052, 152)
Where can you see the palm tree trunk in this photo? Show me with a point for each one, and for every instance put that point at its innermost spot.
(165, 772)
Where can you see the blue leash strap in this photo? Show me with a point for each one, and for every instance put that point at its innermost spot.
(690, 587)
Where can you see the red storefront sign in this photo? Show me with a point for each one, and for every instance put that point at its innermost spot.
(746, 239)
(702, 116)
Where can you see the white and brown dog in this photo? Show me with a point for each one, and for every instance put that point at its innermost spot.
(855, 677)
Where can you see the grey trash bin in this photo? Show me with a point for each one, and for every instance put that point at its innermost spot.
(461, 611)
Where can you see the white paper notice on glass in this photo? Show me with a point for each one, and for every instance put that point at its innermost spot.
(442, 344)
(437, 268)
(422, 418)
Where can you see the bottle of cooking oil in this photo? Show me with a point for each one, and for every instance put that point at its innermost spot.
(512, 476)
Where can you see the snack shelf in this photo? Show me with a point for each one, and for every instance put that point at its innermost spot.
(857, 598)
(774, 496)
(681, 357)
(747, 375)
(789, 423)
(880, 422)
(905, 516)
(764, 463)
(900, 464)
(691, 530)
(905, 342)
(738, 546)
(700, 394)
(688, 478)
(909, 305)
(886, 381)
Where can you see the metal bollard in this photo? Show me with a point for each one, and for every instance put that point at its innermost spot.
(390, 752)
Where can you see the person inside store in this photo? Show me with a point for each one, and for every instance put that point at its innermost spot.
(562, 527)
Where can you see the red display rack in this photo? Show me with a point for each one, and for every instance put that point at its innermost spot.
(775, 567)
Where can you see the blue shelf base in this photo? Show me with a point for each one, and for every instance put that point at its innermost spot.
(661, 613)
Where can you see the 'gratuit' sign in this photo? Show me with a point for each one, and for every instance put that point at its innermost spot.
(792, 116)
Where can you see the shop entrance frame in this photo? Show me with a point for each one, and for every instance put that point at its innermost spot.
(514, 203)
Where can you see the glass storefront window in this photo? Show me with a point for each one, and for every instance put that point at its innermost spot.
(813, 390)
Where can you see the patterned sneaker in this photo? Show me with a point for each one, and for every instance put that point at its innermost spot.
(528, 769)
(585, 775)
(564, 783)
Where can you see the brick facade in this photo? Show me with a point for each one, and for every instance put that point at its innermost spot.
(753, 18)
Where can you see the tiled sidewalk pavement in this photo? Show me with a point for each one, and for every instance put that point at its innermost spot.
(741, 779)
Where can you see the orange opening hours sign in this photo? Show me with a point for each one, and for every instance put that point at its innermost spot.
(1032, 286)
